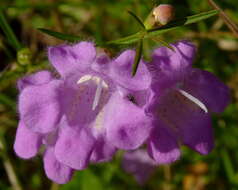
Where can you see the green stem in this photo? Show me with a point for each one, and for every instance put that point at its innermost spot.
(8, 166)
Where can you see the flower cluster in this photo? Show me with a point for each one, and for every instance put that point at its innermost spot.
(96, 107)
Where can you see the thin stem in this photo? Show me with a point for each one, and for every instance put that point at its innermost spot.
(231, 25)
(8, 166)
(54, 186)
(9, 32)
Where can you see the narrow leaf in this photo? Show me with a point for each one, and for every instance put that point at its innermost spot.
(61, 36)
(160, 30)
(137, 57)
(229, 169)
(9, 32)
(137, 19)
(129, 39)
(163, 43)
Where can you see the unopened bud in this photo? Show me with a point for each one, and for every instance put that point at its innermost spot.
(163, 14)
(24, 56)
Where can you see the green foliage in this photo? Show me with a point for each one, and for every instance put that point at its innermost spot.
(61, 36)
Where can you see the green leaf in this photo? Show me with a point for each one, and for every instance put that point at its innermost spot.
(160, 30)
(61, 36)
(163, 43)
(129, 39)
(137, 57)
(9, 32)
(229, 169)
(137, 19)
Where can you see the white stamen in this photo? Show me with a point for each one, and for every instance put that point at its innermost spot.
(98, 93)
(84, 79)
(100, 85)
(195, 100)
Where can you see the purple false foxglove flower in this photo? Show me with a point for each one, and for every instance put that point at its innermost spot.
(85, 114)
(139, 164)
(180, 104)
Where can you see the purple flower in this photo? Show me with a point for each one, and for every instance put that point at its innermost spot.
(77, 116)
(139, 164)
(180, 103)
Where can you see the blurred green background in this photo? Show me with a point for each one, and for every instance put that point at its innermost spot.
(104, 20)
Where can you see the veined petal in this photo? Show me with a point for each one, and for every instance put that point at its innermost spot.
(39, 106)
(208, 89)
(126, 124)
(74, 147)
(188, 120)
(41, 77)
(55, 170)
(27, 143)
(66, 59)
(121, 69)
(162, 145)
(82, 97)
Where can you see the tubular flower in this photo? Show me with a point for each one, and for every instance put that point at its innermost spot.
(180, 103)
(77, 116)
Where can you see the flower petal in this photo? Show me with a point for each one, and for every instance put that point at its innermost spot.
(197, 133)
(41, 77)
(185, 118)
(121, 69)
(74, 147)
(39, 106)
(103, 151)
(27, 143)
(169, 60)
(208, 89)
(126, 124)
(55, 170)
(82, 97)
(139, 164)
(169, 67)
(66, 59)
(162, 145)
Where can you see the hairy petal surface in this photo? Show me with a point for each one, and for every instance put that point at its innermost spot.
(67, 59)
(41, 77)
